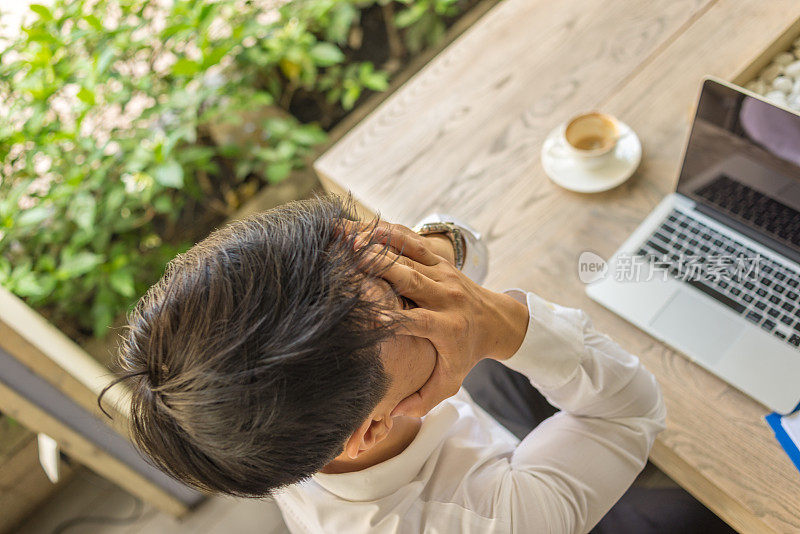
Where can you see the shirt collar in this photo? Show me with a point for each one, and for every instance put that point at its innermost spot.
(387, 477)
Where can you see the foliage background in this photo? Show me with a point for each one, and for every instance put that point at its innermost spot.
(109, 165)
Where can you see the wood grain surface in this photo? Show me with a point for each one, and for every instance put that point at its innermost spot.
(463, 137)
(23, 483)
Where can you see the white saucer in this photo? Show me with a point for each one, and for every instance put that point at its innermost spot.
(612, 171)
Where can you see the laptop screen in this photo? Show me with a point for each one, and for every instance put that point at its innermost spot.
(742, 165)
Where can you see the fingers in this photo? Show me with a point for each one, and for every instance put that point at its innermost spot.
(435, 390)
(381, 258)
(362, 232)
(400, 238)
(410, 244)
(406, 276)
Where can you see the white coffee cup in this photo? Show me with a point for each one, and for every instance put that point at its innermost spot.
(588, 138)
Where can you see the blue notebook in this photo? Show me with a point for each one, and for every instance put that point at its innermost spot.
(787, 431)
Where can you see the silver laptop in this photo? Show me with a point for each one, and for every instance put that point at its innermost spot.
(714, 270)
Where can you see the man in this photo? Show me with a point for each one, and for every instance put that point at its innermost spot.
(299, 355)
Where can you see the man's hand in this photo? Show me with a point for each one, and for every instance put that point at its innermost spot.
(464, 321)
(441, 245)
(438, 244)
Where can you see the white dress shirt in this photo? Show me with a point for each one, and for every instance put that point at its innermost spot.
(465, 473)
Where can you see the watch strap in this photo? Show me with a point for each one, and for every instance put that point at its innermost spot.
(452, 232)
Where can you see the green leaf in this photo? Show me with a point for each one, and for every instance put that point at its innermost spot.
(286, 150)
(94, 22)
(174, 29)
(35, 286)
(34, 215)
(342, 18)
(409, 16)
(261, 98)
(205, 12)
(372, 79)
(243, 169)
(86, 96)
(122, 282)
(326, 54)
(38, 35)
(291, 69)
(163, 204)
(308, 135)
(42, 11)
(28, 285)
(278, 171)
(196, 154)
(377, 82)
(185, 67)
(45, 262)
(277, 127)
(103, 311)
(350, 96)
(214, 56)
(78, 264)
(82, 210)
(5, 269)
(169, 174)
(114, 200)
(104, 59)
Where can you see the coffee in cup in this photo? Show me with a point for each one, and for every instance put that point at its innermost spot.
(588, 137)
(592, 133)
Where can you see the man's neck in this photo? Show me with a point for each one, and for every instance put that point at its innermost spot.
(403, 432)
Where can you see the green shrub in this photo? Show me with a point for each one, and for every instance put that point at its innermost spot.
(108, 162)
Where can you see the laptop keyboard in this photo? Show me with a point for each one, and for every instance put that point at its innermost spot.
(763, 291)
(751, 206)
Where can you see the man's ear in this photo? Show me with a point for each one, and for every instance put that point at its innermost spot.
(372, 431)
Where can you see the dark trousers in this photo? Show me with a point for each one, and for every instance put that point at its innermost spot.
(509, 397)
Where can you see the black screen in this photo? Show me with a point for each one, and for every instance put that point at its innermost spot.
(742, 165)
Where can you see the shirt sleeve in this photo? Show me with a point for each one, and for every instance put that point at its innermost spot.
(571, 469)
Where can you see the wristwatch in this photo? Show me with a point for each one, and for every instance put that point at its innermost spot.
(452, 232)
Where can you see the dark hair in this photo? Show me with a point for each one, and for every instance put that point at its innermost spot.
(256, 355)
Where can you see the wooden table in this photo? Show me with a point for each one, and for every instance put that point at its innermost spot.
(463, 137)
